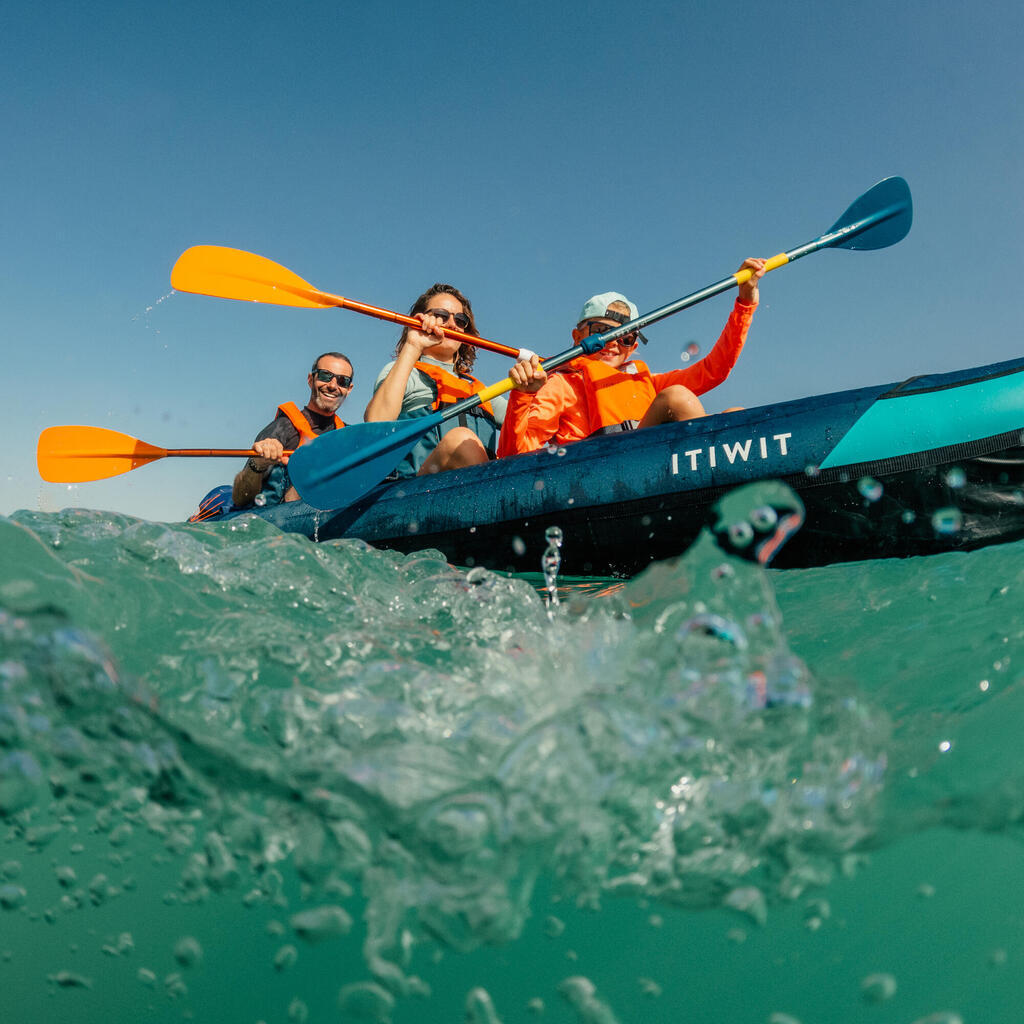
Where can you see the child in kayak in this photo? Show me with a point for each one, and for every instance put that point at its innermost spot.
(609, 391)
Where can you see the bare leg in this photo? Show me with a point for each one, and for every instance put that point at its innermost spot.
(672, 404)
(459, 447)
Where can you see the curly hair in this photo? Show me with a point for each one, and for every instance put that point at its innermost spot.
(466, 354)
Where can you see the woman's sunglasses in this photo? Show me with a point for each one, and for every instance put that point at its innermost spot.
(461, 320)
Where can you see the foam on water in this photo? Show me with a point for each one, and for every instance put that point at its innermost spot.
(380, 752)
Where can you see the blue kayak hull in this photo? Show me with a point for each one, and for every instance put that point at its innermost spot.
(932, 464)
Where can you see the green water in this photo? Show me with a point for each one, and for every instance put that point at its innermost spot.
(246, 778)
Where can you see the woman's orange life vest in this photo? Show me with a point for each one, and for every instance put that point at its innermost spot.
(300, 423)
(615, 400)
(452, 389)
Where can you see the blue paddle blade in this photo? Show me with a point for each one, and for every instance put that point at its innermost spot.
(341, 465)
(888, 212)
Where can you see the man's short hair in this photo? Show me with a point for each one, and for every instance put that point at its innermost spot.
(332, 355)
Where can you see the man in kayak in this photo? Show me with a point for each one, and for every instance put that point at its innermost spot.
(265, 475)
(609, 391)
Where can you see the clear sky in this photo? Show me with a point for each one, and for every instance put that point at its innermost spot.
(530, 153)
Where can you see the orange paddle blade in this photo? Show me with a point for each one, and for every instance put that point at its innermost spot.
(71, 455)
(235, 274)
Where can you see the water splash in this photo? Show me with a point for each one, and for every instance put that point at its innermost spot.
(551, 562)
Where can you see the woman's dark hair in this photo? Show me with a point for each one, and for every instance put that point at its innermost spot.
(466, 354)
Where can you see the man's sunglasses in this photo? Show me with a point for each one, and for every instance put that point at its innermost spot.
(461, 320)
(324, 376)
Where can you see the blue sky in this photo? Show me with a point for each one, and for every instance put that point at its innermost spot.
(532, 154)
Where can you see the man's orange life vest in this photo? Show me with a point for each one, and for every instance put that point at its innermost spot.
(300, 423)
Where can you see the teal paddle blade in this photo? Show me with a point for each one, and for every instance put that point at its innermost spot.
(342, 465)
(879, 218)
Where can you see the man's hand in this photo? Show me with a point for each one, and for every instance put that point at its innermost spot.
(269, 452)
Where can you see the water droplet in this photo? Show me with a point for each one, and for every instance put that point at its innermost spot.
(956, 478)
(690, 351)
(870, 489)
(908, 516)
(476, 576)
(947, 521)
(553, 535)
(764, 517)
(945, 746)
(812, 471)
(553, 927)
(519, 546)
(740, 534)
(298, 1011)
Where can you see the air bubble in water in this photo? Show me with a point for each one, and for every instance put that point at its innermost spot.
(877, 988)
(187, 951)
(519, 546)
(480, 1008)
(285, 957)
(764, 517)
(690, 351)
(366, 1001)
(321, 923)
(956, 478)
(947, 521)
(870, 489)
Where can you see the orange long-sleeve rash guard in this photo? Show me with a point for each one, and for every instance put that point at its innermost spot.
(558, 411)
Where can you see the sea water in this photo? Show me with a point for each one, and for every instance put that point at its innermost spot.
(245, 777)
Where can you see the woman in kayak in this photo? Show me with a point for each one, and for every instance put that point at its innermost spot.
(430, 371)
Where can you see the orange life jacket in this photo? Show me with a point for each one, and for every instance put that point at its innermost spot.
(300, 423)
(615, 400)
(452, 389)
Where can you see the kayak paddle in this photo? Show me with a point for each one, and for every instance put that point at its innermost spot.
(71, 455)
(340, 465)
(235, 274)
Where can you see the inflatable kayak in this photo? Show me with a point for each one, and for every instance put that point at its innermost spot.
(934, 463)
